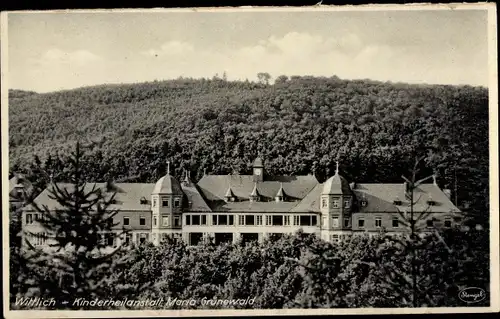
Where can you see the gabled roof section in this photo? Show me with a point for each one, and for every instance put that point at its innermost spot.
(311, 201)
(381, 197)
(214, 187)
(127, 196)
(195, 199)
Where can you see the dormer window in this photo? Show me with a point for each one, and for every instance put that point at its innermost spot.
(364, 203)
(397, 202)
(279, 198)
(143, 201)
(430, 201)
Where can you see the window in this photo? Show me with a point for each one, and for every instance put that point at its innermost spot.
(430, 223)
(335, 221)
(334, 238)
(305, 220)
(447, 223)
(195, 220)
(177, 221)
(29, 219)
(241, 220)
(346, 222)
(378, 222)
(223, 220)
(165, 221)
(287, 220)
(143, 237)
(323, 221)
(250, 220)
(296, 220)
(395, 222)
(323, 202)
(259, 219)
(347, 203)
(177, 202)
(364, 203)
(110, 239)
(188, 220)
(128, 239)
(164, 202)
(314, 220)
(268, 220)
(155, 221)
(155, 202)
(203, 219)
(142, 221)
(361, 223)
(126, 221)
(335, 203)
(277, 220)
(39, 239)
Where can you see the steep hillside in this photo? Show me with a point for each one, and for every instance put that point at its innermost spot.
(300, 125)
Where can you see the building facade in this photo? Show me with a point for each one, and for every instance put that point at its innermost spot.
(228, 208)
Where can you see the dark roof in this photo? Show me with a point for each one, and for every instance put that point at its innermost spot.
(258, 162)
(310, 203)
(128, 196)
(381, 197)
(198, 204)
(167, 185)
(214, 187)
(336, 184)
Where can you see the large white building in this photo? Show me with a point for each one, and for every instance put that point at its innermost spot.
(252, 207)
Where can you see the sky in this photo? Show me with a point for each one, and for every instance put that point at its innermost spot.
(58, 51)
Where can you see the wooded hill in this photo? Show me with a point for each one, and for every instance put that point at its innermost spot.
(300, 125)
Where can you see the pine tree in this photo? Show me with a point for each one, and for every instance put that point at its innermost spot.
(79, 260)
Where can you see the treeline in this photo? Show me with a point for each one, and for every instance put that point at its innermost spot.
(300, 125)
(295, 271)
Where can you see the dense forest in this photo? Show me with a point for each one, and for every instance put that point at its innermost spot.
(295, 271)
(300, 125)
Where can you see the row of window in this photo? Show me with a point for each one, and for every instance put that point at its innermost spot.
(395, 222)
(252, 220)
(335, 203)
(31, 218)
(38, 239)
(165, 202)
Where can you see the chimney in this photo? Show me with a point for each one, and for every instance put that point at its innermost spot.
(447, 192)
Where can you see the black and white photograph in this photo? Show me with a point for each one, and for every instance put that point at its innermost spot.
(250, 161)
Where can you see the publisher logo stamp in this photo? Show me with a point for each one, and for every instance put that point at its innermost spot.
(472, 294)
